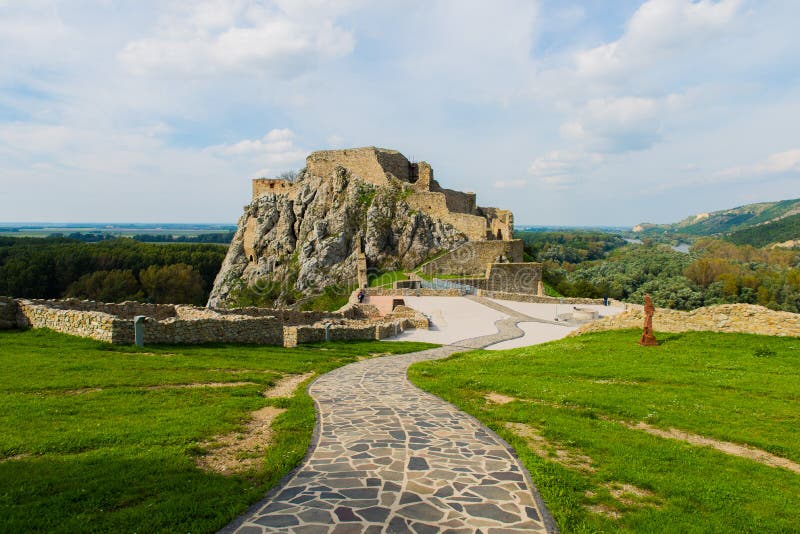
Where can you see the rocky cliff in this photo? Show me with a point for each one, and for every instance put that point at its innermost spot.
(292, 245)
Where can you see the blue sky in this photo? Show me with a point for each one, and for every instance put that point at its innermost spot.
(569, 113)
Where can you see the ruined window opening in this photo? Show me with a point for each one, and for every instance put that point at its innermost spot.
(499, 234)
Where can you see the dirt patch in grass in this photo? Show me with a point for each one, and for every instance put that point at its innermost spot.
(629, 495)
(499, 398)
(240, 451)
(605, 510)
(286, 386)
(615, 381)
(203, 385)
(734, 449)
(550, 451)
(15, 457)
(79, 391)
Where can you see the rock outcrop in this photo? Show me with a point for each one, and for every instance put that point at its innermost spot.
(289, 245)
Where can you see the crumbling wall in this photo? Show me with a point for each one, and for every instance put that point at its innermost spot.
(89, 324)
(731, 318)
(265, 186)
(124, 310)
(194, 325)
(500, 223)
(472, 258)
(225, 329)
(460, 202)
(368, 163)
(539, 299)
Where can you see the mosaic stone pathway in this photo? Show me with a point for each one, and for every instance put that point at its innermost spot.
(390, 458)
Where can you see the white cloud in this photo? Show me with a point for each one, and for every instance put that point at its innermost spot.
(619, 124)
(787, 162)
(562, 169)
(274, 152)
(658, 30)
(244, 36)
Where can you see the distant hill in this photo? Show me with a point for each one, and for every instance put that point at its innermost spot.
(731, 221)
(783, 232)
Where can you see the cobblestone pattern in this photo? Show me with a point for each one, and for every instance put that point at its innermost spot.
(390, 458)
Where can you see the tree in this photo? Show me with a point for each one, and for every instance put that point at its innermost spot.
(173, 284)
(106, 286)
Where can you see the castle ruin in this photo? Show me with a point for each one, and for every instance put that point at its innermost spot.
(379, 166)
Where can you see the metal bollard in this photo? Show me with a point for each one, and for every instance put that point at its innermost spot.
(138, 330)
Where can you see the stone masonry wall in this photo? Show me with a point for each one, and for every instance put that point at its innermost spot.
(472, 258)
(738, 318)
(90, 324)
(514, 277)
(435, 205)
(125, 310)
(460, 202)
(369, 163)
(225, 329)
(193, 325)
(264, 186)
(8, 313)
(383, 292)
(527, 297)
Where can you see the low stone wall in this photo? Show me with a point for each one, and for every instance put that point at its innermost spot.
(225, 329)
(296, 335)
(193, 325)
(8, 313)
(525, 297)
(290, 317)
(124, 310)
(383, 292)
(90, 324)
(413, 318)
(733, 318)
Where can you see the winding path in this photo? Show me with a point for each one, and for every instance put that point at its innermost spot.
(390, 458)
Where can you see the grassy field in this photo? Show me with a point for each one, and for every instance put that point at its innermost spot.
(568, 406)
(89, 442)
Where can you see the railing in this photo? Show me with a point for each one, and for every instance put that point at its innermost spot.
(437, 283)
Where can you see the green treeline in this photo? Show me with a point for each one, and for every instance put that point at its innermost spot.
(93, 237)
(779, 231)
(112, 270)
(714, 272)
(572, 247)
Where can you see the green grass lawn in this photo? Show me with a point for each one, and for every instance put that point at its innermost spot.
(575, 392)
(86, 444)
(387, 279)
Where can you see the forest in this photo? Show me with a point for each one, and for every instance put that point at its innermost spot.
(713, 272)
(109, 270)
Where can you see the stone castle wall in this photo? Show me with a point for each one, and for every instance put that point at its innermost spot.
(459, 202)
(181, 324)
(372, 165)
(435, 205)
(473, 258)
(369, 163)
(264, 186)
(732, 318)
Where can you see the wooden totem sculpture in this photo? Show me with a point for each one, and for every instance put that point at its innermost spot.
(648, 339)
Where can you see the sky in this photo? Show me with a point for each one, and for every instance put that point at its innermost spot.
(566, 112)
